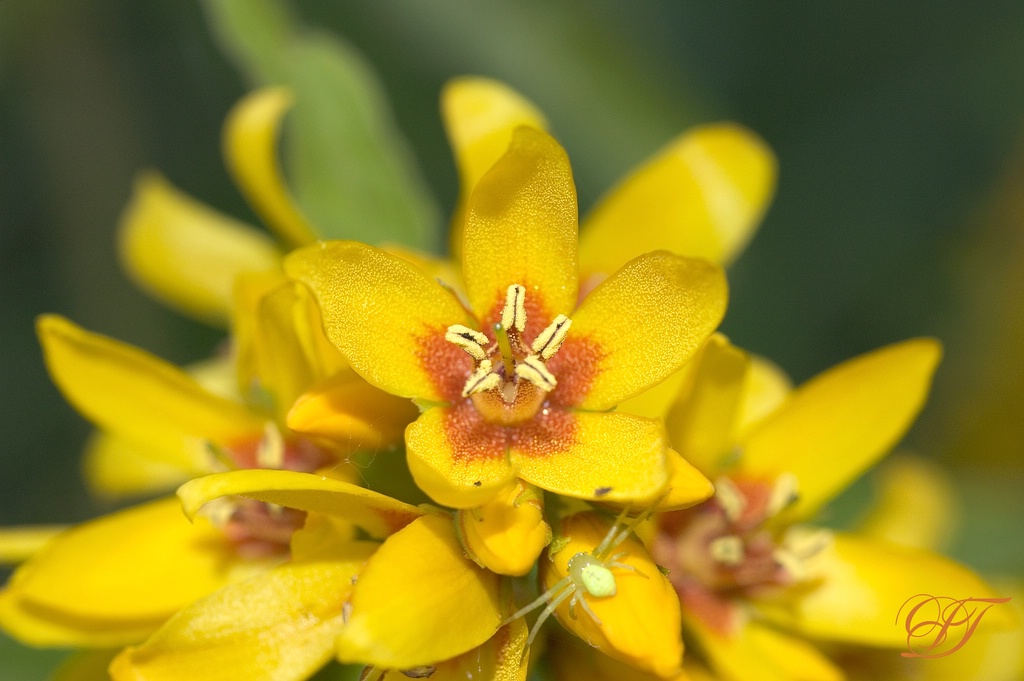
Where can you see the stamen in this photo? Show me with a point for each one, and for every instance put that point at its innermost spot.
(513, 315)
(727, 550)
(507, 358)
(550, 339)
(481, 380)
(729, 497)
(534, 371)
(470, 340)
(784, 493)
(270, 451)
(793, 566)
(805, 542)
(219, 511)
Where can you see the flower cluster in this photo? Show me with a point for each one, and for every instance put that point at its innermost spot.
(594, 453)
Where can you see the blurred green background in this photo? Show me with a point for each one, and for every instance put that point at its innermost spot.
(899, 209)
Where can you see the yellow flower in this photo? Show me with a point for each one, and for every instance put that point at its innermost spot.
(752, 579)
(520, 386)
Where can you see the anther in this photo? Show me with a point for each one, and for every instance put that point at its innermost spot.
(470, 340)
(805, 542)
(513, 315)
(533, 370)
(729, 497)
(784, 493)
(481, 379)
(270, 451)
(789, 562)
(550, 339)
(727, 550)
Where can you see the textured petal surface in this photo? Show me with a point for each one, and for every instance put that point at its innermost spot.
(250, 148)
(608, 457)
(648, 320)
(702, 196)
(479, 116)
(410, 596)
(508, 533)
(756, 652)
(186, 253)
(640, 623)
(521, 228)
(377, 514)
(839, 423)
(129, 391)
(378, 310)
(863, 585)
(702, 423)
(124, 570)
(457, 458)
(279, 626)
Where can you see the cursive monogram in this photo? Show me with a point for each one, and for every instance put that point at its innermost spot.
(933, 622)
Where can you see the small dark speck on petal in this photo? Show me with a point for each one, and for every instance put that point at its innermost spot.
(477, 483)
(601, 491)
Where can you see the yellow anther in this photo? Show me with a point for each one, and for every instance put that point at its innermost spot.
(533, 370)
(270, 451)
(784, 493)
(513, 315)
(729, 498)
(727, 550)
(219, 511)
(470, 340)
(550, 339)
(805, 542)
(789, 562)
(481, 380)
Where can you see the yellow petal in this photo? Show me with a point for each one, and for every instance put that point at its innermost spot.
(275, 627)
(767, 388)
(37, 626)
(915, 505)
(648, 320)
(859, 586)
(607, 456)
(456, 458)
(703, 195)
(702, 423)
(499, 659)
(185, 253)
(419, 601)
(840, 422)
(250, 149)
(507, 534)
(640, 623)
(126, 570)
(18, 544)
(350, 415)
(655, 402)
(115, 466)
(479, 116)
(571, 660)
(129, 391)
(755, 652)
(387, 317)
(377, 514)
(686, 485)
(521, 229)
(441, 269)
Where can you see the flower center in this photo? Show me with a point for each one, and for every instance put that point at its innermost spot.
(510, 380)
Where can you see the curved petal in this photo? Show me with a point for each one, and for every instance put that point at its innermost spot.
(703, 195)
(639, 622)
(377, 514)
(649, 319)
(279, 626)
(686, 484)
(479, 116)
(250, 149)
(126, 570)
(186, 253)
(501, 658)
(456, 457)
(129, 391)
(508, 533)
(351, 415)
(37, 626)
(861, 585)
(116, 466)
(521, 229)
(383, 314)
(839, 423)
(766, 390)
(756, 652)
(18, 544)
(411, 593)
(608, 457)
(702, 423)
